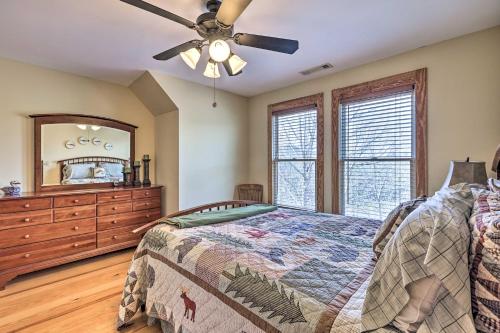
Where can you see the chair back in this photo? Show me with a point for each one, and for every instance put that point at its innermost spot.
(252, 192)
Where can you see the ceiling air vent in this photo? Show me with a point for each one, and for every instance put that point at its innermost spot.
(317, 69)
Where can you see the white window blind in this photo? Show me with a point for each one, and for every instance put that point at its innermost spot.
(377, 154)
(294, 154)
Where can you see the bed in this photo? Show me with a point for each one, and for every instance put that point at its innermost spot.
(91, 170)
(283, 270)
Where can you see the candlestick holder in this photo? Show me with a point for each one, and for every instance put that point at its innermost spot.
(145, 180)
(137, 168)
(127, 176)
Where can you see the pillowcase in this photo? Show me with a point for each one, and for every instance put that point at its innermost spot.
(485, 261)
(113, 169)
(99, 172)
(78, 171)
(423, 297)
(392, 222)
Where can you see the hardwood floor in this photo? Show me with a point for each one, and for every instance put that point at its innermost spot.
(79, 297)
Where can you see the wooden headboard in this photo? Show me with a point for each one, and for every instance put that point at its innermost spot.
(88, 159)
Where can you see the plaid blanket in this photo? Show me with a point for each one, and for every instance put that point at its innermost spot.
(433, 240)
(282, 271)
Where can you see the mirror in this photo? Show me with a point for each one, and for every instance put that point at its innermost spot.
(77, 151)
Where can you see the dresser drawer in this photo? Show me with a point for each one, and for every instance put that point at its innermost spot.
(28, 254)
(122, 220)
(117, 236)
(114, 196)
(146, 193)
(22, 205)
(114, 208)
(44, 232)
(73, 213)
(146, 204)
(23, 219)
(74, 200)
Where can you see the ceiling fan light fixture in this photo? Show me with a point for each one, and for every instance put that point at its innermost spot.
(236, 63)
(219, 50)
(191, 56)
(212, 70)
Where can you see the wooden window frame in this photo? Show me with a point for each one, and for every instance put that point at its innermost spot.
(417, 80)
(316, 101)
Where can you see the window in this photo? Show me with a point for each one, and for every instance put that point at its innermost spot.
(296, 142)
(379, 147)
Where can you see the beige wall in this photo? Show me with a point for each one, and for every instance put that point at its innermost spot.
(27, 89)
(167, 161)
(213, 143)
(464, 99)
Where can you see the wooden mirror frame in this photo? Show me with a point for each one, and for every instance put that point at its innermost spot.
(61, 118)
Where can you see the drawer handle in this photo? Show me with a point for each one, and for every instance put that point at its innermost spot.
(115, 197)
(27, 219)
(27, 255)
(114, 222)
(26, 236)
(148, 216)
(76, 213)
(147, 193)
(76, 201)
(115, 237)
(115, 208)
(76, 245)
(76, 228)
(27, 205)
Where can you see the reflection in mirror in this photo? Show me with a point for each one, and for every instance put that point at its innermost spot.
(83, 154)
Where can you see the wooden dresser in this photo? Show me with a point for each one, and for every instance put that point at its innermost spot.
(41, 230)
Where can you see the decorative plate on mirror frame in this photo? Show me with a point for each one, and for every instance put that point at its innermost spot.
(83, 140)
(69, 144)
(96, 141)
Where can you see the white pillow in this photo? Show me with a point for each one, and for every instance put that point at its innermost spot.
(78, 171)
(113, 169)
(423, 297)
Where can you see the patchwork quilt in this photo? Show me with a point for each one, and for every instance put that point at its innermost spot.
(282, 271)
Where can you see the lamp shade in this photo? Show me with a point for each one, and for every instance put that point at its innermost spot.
(191, 57)
(212, 70)
(236, 64)
(466, 172)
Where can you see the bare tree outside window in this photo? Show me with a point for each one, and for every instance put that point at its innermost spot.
(295, 158)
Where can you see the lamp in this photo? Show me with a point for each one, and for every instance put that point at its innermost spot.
(496, 163)
(95, 128)
(212, 70)
(466, 172)
(234, 64)
(82, 127)
(191, 56)
(219, 50)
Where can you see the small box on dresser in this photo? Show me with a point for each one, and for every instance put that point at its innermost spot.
(41, 230)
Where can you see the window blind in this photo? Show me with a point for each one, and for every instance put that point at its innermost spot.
(294, 154)
(377, 154)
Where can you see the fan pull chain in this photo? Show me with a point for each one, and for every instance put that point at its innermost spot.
(214, 104)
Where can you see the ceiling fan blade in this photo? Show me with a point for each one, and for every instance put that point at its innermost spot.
(176, 50)
(282, 45)
(161, 12)
(228, 69)
(230, 10)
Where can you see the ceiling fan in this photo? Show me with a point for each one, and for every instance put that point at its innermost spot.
(216, 27)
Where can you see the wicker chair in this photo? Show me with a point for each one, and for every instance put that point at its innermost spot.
(252, 192)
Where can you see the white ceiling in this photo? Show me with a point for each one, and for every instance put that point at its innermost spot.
(113, 41)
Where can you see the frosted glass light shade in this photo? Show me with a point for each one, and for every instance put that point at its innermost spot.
(236, 64)
(191, 57)
(219, 50)
(82, 127)
(212, 70)
(95, 127)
